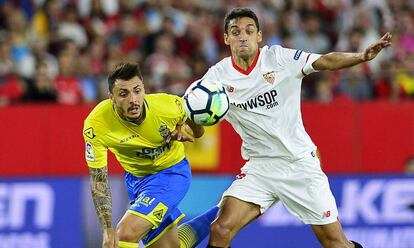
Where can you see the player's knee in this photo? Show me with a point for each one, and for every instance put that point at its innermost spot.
(221, 229)
(126, 233)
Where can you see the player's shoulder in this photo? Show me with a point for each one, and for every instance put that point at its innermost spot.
(223, 62)
(100, 109)
(284, 56)
(220, 69)
(163, 103)
(161, 99)
(275, 49)
(281, 51)
(100, 112)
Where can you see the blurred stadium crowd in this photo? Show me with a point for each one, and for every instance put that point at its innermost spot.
(61, 50)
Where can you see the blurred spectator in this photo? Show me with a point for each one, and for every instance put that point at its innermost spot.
(39, 48)
(354, 83)
(405, 27)
(271, 34)
(12, 88)
(324, 91)
(356, 36)
(189, 45)
(70, 28)
(127, 35)
(405, 74)
(167, 27)
(311, 39)
(40, 22)
(88, 79)
(41, 88)
(165, 36)
(357, 14)
(67, 83)
(362, 16)
(6, 62)
(88, 8)
(386, 87)
(98, 52)
(166, 71)
(208, 42)
(198, 68)
(19, 37)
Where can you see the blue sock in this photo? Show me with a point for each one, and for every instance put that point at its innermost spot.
(192, 232)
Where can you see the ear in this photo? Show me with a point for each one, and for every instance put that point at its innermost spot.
(111, 96)
(226, 39)
(259, 36)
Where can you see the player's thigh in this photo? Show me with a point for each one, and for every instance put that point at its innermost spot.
(235, 213)
(168, 240)
(330, 233)
(156, 197)
(133, 228)
(306, 192)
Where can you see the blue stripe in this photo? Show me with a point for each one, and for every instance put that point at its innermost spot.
(297, 54)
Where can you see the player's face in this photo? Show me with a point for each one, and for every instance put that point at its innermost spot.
(243, 37)
(128, 97)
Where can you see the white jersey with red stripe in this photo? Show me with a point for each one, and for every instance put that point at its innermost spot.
(265, 102)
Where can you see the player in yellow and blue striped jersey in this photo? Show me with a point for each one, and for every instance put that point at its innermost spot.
(144, 133)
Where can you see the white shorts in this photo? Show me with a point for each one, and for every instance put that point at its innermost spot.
(301, 186)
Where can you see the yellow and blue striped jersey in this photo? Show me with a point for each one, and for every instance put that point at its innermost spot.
(138, 148)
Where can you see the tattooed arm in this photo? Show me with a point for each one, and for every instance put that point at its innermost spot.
(101, 195)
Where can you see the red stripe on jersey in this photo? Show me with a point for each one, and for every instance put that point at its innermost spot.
(303, 73)
(307, 58)
(251, 67)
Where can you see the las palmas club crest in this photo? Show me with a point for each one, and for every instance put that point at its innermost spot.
(269, 77)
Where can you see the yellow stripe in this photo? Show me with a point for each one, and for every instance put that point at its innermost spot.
(166, 229)
(124, 244)
(188, 237)
(155, 225)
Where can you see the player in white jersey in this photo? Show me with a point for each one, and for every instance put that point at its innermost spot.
(264, 87)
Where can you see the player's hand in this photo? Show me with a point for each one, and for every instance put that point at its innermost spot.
(179, 135)
(110, 239)
(373, 50)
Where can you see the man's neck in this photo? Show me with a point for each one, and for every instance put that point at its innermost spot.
(244, 63)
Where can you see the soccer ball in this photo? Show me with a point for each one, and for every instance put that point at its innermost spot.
(206, 102)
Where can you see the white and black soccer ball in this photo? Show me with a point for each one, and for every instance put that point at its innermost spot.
(206, 102)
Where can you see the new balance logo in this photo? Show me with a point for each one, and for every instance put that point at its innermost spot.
(241, 175)
(326, 214)
(230, 89)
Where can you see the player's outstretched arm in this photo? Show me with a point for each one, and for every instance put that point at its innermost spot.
(101, 195)
(191, 131)
(197, 130)
(340, 60)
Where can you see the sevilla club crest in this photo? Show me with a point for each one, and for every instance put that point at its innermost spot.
(269, 77)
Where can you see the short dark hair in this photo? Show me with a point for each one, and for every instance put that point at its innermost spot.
(238, 13)
(124, 71)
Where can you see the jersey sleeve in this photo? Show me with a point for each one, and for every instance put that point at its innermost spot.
(211, 74)
(298, 61)
(95, 150)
